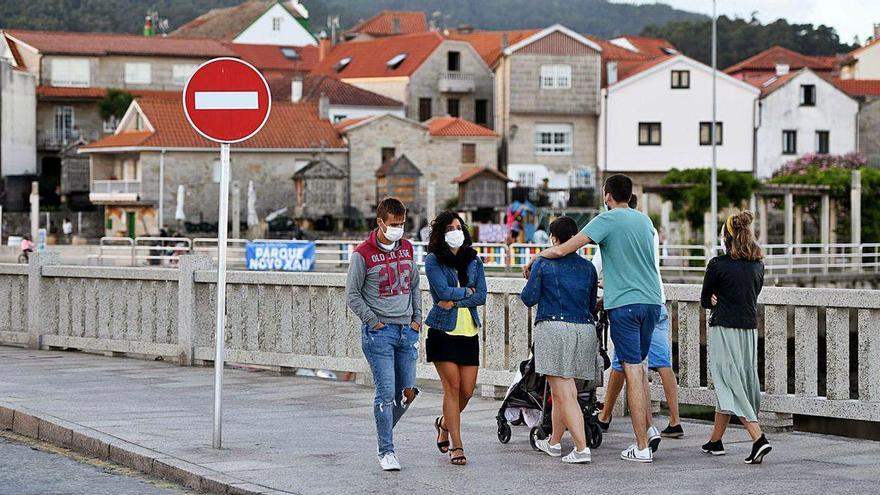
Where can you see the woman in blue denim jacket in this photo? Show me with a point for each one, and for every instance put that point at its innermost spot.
(458, 287)
(565, 344)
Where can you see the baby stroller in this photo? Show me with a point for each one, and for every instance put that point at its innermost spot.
(528, 400)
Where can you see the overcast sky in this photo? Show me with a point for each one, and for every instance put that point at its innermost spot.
(848, 17)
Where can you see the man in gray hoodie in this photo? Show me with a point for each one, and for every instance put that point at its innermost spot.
(383, 291)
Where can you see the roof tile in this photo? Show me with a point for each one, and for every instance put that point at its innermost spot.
(859, 87)
(97, 93)
(768, 59)
(271, 58)
(382, 24)
(370, 58)
(455, 126)
(69, 43)
(489, 44)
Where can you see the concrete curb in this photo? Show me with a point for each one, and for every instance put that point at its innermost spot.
(61, 433)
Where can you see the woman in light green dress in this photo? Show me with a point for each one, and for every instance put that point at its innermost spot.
(730, 289)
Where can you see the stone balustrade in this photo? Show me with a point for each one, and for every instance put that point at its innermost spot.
(293, 320)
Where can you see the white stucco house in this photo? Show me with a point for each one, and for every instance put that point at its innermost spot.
(254, 22)
(801, 112)
(657, 116)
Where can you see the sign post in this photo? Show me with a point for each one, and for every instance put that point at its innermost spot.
(227, 101)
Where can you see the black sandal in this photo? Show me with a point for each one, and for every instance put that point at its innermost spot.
(459, 460)
(443, 447)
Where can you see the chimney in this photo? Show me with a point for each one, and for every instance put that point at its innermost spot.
(395, 25)
(323, 48)
(148, 26)
(611, 72)
(296, 90)
(466, 28)
(781, 69)
(324, 107)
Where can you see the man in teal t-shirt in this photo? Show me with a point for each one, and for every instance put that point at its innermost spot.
(632, 297)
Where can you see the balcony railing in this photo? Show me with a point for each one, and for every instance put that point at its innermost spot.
(56, 139)
(115, 190)
(456, 82)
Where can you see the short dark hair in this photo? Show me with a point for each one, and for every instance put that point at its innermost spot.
(633, 201)
(620, 187)
(389, 207)
(563, 228)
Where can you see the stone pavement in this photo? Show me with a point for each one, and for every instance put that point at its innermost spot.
(312, 436)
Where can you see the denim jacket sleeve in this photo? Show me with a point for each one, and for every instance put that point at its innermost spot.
(478, 298)
(438, 281)
(531, 293)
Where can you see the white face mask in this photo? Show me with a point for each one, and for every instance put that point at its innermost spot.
(393, 234)
(455, 238)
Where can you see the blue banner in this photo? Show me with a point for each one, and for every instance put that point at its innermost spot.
(288, 256)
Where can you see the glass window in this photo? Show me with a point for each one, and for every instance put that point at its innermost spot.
(339, 118)
(553, 139)
(452, 107)
(808, 95)
(424, 109)
(137, 73)
(387, 154)
(396, 60)
(276, 24)
(556, 76)
(681, 79)
(823, 139)
(453, 61)
(342, 64)
(468, 153)
(181, 72)
(481, 112)
(70, 72)
(789, 142)
(649, 133)
(289, 53)
(705, 130)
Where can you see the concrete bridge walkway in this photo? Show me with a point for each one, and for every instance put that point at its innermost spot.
(311, 436)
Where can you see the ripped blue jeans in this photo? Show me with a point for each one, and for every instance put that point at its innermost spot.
(392, 352)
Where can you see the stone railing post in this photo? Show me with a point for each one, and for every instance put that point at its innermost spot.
(186, 304)
(35, 306)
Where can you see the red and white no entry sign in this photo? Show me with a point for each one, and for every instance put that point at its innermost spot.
(227, 100)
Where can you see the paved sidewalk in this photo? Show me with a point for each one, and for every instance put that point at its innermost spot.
(311, 436)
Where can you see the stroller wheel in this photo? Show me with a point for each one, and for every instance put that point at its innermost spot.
(595, 433)
(536, 434)
(503, 432)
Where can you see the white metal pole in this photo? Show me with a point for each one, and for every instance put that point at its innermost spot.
(79, 223)
(713, 224)
(162, 189)
(1, 225)
(219, 335)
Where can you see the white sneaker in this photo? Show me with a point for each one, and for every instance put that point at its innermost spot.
(389, 462)
(575, 457)
(551, 450)
(654, 438)
(635, 455)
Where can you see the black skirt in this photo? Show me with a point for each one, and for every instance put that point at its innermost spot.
(458, 349)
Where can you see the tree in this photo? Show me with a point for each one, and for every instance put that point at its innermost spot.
(114, 104)
(692, 201)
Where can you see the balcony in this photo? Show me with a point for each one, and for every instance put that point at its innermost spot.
(54, 139)
(115, 191)
(456, 82)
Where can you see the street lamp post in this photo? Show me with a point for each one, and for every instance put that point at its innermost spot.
(713, 224)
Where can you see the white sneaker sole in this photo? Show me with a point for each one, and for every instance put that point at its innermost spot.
(715, 452)
(577, 461)
(636, 459)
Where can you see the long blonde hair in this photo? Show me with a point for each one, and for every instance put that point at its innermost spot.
(739, 239)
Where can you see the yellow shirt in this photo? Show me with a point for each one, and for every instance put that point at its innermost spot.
(464, 325)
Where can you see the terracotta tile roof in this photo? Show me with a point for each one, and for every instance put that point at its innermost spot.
(370, 58)
(859, 87)
(271, 58)
(610, 51)
(227, 22)
(382, 24)
(341, 93)
(470, 174)
(290, 126)
(489, 44)
(97, 93)
(772, 83)
(769, 58)
(455, 126)
(13, 48)
(125, 139)
(651, 47)
(629, 68)
(343, 125)
(68, 43)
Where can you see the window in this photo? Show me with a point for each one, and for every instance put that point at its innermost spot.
(681, 79)
(342, 64)
(706, 129)
(70, 72)
(64, 123)
(181, 72)
(339, 118)
(452, 107)
(110, 124)
(649, 133)
(387, 154)
(276, 24)
(526, 179)
(137, 73)
(581, 177)
(789, 142)
(289, 53)
(481, 112)
(468, 153)
(453, 61)
(396, 60)
(822, 142)
(553, 139)
(556, 76)
(808, 95)
(424, 109)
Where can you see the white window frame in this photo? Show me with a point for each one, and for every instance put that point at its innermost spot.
(559, 140)
(138, 73)
(181, 72)
(71, 72)
(555, 76)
